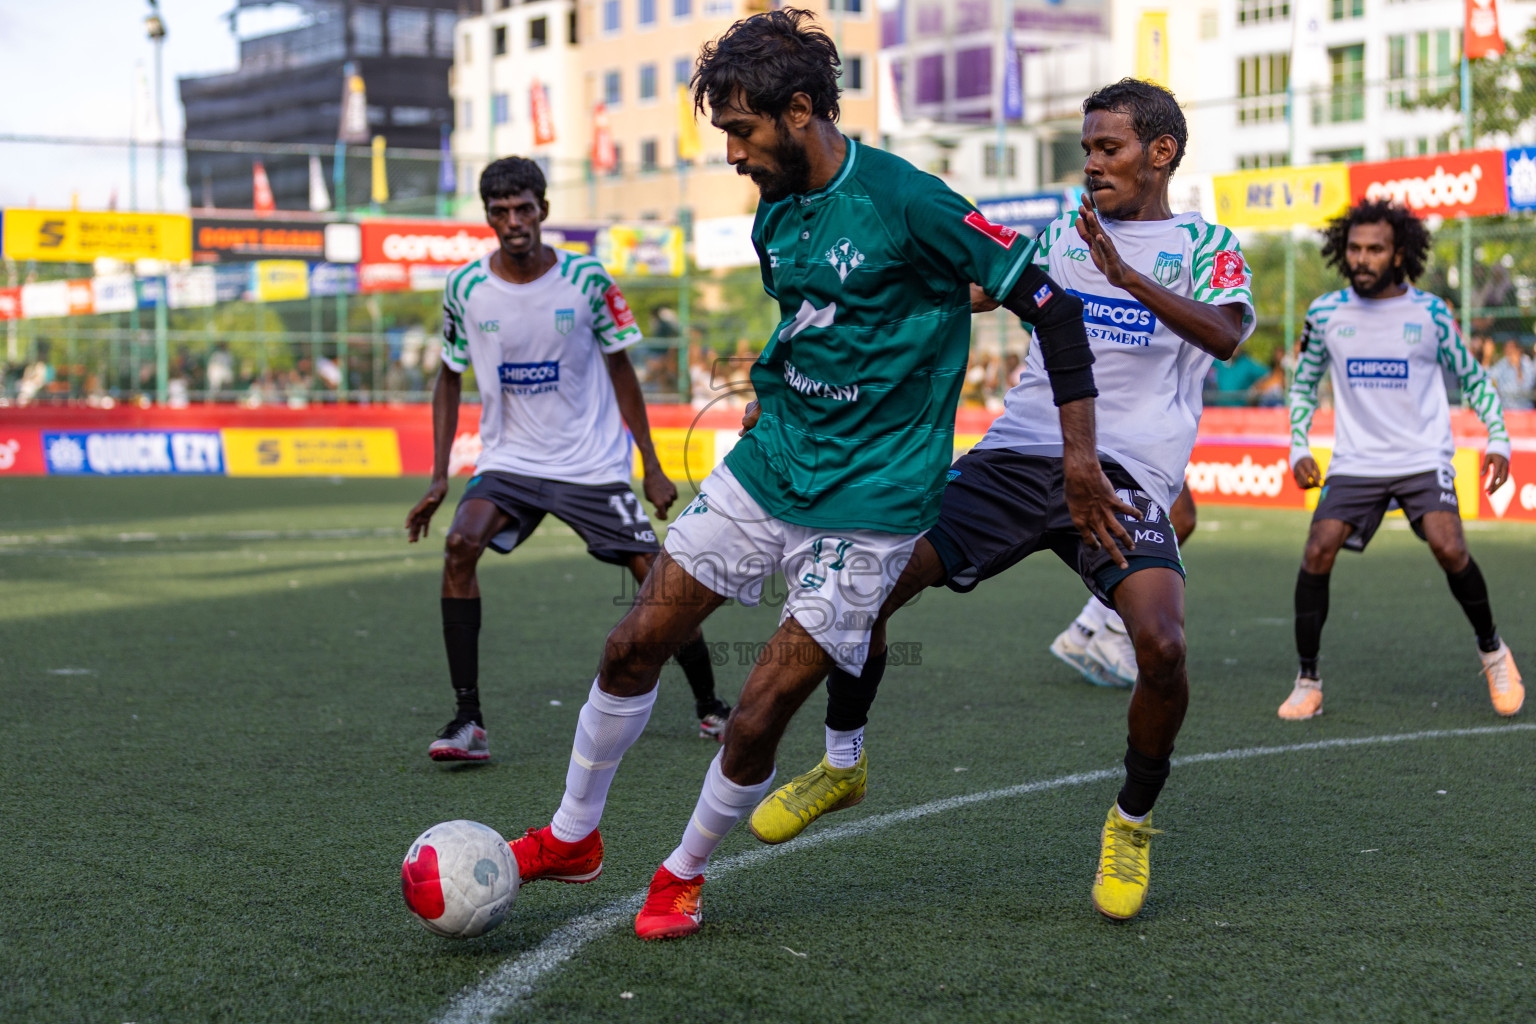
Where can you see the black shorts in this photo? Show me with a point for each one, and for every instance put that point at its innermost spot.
(607, 516)
(1361, 501)
(1001, 507)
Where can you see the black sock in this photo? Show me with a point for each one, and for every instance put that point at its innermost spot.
(849, 697)
(1144, 778)
(693, 659)
(1470, 589)
(461, 635)
(1311, 613)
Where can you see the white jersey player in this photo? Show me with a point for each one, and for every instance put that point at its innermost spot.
(1385, 342)
(544, 331)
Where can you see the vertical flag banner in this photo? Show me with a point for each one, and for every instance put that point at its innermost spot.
(447, 180)
(261, 189)
(1013, 81)
(354, 110)
(543, 116)
(604, 158)
(688, 145)
(380, 192)
(1482, 29)
(319, 197)
(1152, 47)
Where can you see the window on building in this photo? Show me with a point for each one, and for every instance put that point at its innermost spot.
(682, 8)
(647, 154)
(408, 32)
(1066, 159)
(1010, 161)
(367, 32)
(853, 74)
(973, 73)
(682, 70)
(719, 8)
(570, 27)
(612, 19)
(930, 78)
(645, 14)
(647, 87)
(1345, 99)
(1353, 155)
(499, 41)
(1210, 24)
(613, 88)
(1259, 161)
(618, 161)
(442, 33)
(1262, 80)
(501, 108)
(1339, 10)
(538, 33)
(846, 6)
(1422, 63)
(1257, 12)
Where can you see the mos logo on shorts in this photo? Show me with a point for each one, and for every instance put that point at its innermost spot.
(1377, 373)
(1122, 321)
(565, 320)
(529, 378)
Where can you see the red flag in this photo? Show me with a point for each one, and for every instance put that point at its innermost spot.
(543, 117)
(1481, 36)
(262, 189)
(604, 158)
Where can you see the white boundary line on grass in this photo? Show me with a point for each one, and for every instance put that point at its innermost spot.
(514, 980)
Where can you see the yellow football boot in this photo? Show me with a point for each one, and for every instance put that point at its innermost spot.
(787, 811)
(1504, 685)
(1125, 866)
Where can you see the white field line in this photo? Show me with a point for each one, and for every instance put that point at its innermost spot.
(514, 980)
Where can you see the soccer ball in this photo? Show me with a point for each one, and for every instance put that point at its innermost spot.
(459, 879)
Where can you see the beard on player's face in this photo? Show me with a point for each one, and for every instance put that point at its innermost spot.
(1370, 281)
(791, 173)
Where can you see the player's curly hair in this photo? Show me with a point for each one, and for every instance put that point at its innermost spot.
(1153, 111)
(770, 57)
(1409, 236)
(509, 176)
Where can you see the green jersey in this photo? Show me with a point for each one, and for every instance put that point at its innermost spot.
(859, 383)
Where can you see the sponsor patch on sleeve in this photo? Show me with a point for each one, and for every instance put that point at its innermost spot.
(1228, 271)
(618, 308)
(1043, 295)
(1002, 235)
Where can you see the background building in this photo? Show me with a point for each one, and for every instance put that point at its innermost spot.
(288, 89)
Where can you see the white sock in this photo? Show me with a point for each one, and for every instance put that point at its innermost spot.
(1133, 819)
(605, 729)
(722, 803)
(1113, 622)
(1092, 617)
(843, 747)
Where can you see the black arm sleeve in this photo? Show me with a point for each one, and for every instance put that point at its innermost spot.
(1058, 324)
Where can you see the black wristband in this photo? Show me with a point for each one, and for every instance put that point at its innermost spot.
(1057, 316)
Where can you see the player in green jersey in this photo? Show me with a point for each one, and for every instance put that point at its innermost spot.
(870, 261)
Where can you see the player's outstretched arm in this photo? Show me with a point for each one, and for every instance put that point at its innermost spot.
(445, 423)
(659, 491)
(1214, 329)
(1310, 365)
(1057, 316)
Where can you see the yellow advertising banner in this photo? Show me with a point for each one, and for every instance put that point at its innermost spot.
(1282, 197)
(76, 236)
(1152, 47)
(641, 251)
(279, 280)
(333, 451)
(685, 455)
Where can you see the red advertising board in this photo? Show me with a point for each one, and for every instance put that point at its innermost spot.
(1446, 184)
(1243, 473)
(10, 303)
(442, 242)
(21, 451)
(1517, 498)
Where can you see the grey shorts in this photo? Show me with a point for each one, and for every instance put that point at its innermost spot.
(1361, 501)
(607, 516)
(1000, 507)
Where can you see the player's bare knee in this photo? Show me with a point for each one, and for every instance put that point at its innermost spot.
(460, 552)
(1318, 558)
(1160, 653)
(1453, 556)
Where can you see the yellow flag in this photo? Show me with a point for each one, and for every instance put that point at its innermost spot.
(688, 145)
(380, 179)
(1152, 47)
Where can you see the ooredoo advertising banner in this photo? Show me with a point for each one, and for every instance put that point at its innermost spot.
(415, 241)
(1448, 184)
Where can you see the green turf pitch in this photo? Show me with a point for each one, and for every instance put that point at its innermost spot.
(217, 695)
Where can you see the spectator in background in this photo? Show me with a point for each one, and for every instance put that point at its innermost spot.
(221, 372)
(1229, 380)
(1270, 390)
(1514, 377)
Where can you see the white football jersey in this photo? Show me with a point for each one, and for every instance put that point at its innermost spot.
(1390, 413)
(1149, 379)
(547, 407)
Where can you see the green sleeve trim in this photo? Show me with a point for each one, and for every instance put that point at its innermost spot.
(1477, 386)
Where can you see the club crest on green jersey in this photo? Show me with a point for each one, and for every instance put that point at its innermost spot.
(565, 320)
(844, 257)
(1413, 333)
(1168, 268)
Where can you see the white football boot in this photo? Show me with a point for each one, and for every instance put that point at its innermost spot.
(462, 739)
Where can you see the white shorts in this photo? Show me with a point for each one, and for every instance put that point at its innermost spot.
(834, 580)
